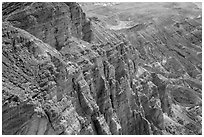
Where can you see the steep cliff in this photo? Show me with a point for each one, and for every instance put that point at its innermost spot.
(65, 74)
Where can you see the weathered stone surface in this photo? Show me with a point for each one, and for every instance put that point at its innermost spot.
(53, 23)
(65, 74)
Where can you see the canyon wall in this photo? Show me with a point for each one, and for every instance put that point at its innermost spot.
(63, 73)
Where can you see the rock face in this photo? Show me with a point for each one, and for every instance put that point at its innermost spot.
(53, 23)
(64, 74)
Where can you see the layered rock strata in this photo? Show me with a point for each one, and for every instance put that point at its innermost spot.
(65, 74)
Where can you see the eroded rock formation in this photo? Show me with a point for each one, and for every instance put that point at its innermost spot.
(65, 74)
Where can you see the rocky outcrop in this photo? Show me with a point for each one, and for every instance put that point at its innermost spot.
(53, 23)
(65, 74)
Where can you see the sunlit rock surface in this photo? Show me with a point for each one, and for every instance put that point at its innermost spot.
(64, 73)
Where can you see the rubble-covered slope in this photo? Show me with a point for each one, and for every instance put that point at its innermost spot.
(65, 74)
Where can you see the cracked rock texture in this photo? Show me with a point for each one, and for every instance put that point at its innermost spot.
(66, 74)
